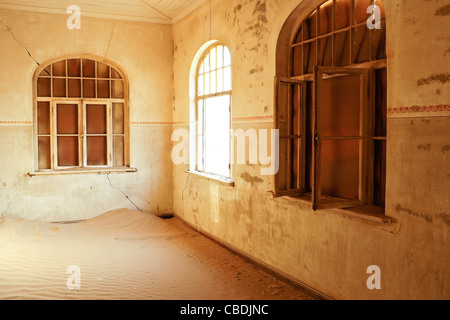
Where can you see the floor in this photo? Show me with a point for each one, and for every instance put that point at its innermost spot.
(126, 254)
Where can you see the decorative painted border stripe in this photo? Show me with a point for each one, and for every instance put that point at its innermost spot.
(155, 123)
(14, 122)
(419, 111)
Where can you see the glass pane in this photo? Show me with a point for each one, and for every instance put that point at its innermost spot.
(310, 56)
(206, 64)
(88, 88)
(67, 118)
(200, 85)
(43, 115)
(340, 168)
(102, 88)
(117, 89)
(96, 151)
(212, 56)
(217, 135)
(326, 18)
(325, 56)
(59, 87)
(102, 70)
(74, 66)
(220, 80)
(200, 117)
(213, 82)
(342, 14)
(96, 119)
(360, 44)
(339, 106)
(46, 72)
(43, 87)
(299, 37)
(74, 88)
(310, 26)
(342, 53)
(200, 166)
(118, 118)
(219, 56)
(118, 151)
(115, 74)
(59, 69)
(68, 151)
(360, 11)
(227, 79)
(44, 161)
(297, 55)
(226, 57)
(207, 83)
(88, 68)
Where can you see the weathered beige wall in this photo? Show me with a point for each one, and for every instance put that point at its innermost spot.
(144, 51)
(330, 250)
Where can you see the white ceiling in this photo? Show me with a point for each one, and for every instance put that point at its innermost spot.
(158, 11)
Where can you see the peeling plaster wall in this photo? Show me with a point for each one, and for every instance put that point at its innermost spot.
(144, 51)
(331, 250)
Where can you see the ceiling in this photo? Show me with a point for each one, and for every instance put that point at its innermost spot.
(158, 11)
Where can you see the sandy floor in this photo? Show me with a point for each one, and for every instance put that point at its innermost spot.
(125, 254)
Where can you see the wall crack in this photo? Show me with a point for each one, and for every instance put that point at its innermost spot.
(126, 196)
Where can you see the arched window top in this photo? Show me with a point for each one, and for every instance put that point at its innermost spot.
(80, 77)
(337, 34)
(214, 71)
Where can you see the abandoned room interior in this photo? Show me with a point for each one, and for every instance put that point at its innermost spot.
(225, 149)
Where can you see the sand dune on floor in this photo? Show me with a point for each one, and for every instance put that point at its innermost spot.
(126, 254)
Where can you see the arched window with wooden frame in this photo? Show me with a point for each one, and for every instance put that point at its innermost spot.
(81, 119)
(330, 106)
(213, 111)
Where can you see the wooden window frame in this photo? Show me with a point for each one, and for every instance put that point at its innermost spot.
(81, 103)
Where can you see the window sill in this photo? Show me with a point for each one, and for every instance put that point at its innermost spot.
(367, 212)
(211, 177)
(82, 171)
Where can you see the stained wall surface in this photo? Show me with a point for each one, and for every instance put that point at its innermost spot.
(331, 250)
(144, 53)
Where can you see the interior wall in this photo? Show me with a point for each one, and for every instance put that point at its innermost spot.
(144, 52)
(330, 250)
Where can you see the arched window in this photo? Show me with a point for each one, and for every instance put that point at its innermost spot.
(213, 111)
(331, 102)
(81, 115)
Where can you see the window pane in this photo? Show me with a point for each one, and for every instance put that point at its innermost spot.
(340, 168)
(340, 106)
(96, 151)
(360, 10)
(219, 57)
(200, 85)
(118, 118)
(310, 26)
(342, 55)
(68, 151)
(43, 118)
(43, 87)
(59, 87)
(298, 56)
(102, 70)
(44, 153)
(117, 89)
(96, 119)
(360, 44)
(342, 14)
(310, 56)
(326, 18)
(67, 119)
(88, 68)
(59, 69)
(206, 64)
(325, 47)
(115, 74)
(102, 88)
(212, 56)
(217, 135)
(207, 83)
(118, 151)
(74, 66)
(220, 80)
(213, 82)
(74, 88)
(46, 72)
(88, 88)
